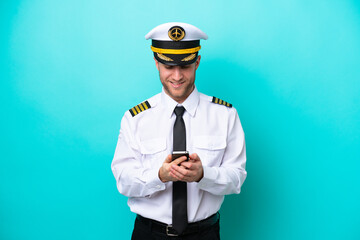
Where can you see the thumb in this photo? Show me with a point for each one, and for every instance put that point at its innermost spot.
(168, 159)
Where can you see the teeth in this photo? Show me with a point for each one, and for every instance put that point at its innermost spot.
(176, 84)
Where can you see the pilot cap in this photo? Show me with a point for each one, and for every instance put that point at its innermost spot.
(176, 43)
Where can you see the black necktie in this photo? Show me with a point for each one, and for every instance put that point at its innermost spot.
(179, 210)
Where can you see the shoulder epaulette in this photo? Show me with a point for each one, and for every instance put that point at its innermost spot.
(139, 108)
(221, 102)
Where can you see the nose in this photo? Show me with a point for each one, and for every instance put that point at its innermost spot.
(177, 74)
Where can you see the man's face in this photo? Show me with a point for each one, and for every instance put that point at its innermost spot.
(178, 81)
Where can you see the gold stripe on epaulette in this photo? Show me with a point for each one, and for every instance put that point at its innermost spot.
(139, 108)
(221, 102)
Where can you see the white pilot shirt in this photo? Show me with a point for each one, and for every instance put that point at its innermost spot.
(213, 131)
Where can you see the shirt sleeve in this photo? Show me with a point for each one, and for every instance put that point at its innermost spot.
(132, 178)
(231, 174)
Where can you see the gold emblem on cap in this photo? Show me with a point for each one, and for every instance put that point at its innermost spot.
(189, 58)
(176, 33)
(163, 57)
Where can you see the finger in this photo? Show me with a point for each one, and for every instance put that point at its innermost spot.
(174, 178)
(194, 156)
(179, 160)
(178, 175)
(187, 165)
(181, 170)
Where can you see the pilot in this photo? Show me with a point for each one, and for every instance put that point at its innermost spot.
(179, 152)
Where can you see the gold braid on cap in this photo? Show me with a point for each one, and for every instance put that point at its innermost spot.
(163, 57)
(189, 58)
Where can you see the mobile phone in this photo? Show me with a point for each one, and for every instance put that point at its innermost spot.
(177, 154)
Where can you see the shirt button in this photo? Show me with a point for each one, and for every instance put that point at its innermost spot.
(157, 186)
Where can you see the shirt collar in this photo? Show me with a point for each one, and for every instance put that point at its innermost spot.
(190, 104)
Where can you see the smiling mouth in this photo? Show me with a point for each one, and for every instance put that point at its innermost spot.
(176, 84)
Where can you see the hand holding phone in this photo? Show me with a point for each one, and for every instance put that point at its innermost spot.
(177, 154)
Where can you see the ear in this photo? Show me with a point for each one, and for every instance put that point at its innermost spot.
(197, 62)
(156, 63)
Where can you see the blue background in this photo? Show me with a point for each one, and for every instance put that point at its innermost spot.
(70, 69)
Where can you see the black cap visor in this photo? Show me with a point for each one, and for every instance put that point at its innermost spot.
(176, 59)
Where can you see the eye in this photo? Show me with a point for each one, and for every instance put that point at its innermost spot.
(185, 67)
(168, 67)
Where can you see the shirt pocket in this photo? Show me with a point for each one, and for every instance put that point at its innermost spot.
(153, 152)
(210, 149)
